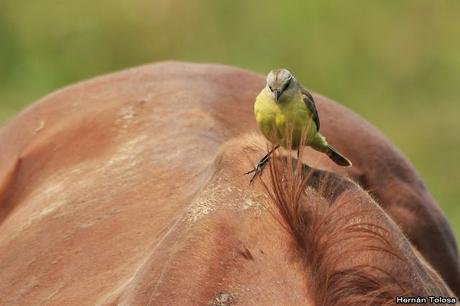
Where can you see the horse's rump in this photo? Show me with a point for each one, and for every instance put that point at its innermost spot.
(129, 188)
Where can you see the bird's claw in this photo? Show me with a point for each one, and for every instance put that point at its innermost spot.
(258, 168)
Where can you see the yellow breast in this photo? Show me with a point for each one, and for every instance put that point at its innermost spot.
(276, 119)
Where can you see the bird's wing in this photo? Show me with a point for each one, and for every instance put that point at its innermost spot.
(310, 104)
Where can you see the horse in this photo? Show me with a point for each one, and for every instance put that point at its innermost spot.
(128, 189)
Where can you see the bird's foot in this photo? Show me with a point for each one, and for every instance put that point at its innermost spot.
(259, 168)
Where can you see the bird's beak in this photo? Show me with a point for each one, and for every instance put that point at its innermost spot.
(277, 94)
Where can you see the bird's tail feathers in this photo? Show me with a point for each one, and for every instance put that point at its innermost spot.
(338, 158)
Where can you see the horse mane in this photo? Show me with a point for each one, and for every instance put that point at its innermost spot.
(351, 251)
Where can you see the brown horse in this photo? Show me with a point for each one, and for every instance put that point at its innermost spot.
(128, 189)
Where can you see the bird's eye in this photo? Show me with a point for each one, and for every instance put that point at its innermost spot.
(271, 89)
(287, 84)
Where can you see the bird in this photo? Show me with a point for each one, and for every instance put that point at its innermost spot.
(285, 107)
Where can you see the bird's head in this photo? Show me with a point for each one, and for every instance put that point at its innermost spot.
(280, 84)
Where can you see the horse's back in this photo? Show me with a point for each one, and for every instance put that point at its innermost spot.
(94, 176)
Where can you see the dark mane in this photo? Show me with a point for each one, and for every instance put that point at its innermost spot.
(351, 251)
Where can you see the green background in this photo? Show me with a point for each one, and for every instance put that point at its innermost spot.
(394, 62)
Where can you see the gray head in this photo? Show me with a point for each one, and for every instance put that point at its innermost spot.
(280, 83)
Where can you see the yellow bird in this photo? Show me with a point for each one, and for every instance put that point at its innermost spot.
(284, 106)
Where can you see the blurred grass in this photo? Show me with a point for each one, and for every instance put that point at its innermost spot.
(396, 63)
